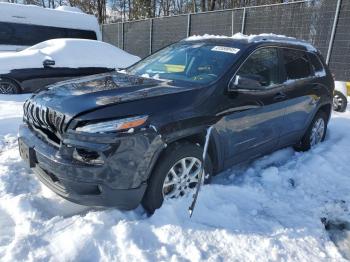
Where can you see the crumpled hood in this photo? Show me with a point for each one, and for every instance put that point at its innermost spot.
(79, 95)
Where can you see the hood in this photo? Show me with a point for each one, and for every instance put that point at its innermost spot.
(76, 96)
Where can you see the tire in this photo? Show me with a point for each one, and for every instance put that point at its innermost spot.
(340, 102)
(8, 86)
(176, 152)
(306, 142)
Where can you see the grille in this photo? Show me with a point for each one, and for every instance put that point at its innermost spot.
(47, 120)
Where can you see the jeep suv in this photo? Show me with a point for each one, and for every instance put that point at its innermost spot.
(136, 136)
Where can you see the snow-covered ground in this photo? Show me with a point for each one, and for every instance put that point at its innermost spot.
(267, 211)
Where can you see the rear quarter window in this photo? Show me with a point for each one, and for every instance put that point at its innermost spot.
(317, 65)
(76, 33)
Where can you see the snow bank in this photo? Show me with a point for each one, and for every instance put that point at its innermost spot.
(341, 87)
(270, 210)
(73, 53)
(255, 38)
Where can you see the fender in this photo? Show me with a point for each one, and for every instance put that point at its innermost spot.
(197, 135)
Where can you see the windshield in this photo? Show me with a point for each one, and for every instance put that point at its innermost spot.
(191, 62)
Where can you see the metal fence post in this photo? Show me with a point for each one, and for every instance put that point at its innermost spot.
(232, 17)
(188, 25)
(334, 27)
(123, 35)
(243, 20)
(118, 35)
(150, 35)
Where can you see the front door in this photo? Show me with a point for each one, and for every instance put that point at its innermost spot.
(253, 110)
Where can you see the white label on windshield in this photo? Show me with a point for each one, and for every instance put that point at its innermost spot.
(225, 49)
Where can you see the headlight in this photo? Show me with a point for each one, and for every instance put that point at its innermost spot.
(113, 125)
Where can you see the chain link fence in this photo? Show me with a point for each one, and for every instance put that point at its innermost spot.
(340, 53)
(324, 23)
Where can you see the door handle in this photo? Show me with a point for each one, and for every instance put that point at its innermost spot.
(280, 96)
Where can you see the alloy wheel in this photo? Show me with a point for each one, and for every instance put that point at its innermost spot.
(182, 177)
(337, 102)
(317, 132)
(7, 88)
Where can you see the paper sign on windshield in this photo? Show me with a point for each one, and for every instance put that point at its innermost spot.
(225, 49)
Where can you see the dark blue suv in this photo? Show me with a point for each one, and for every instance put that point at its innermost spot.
(136, 136)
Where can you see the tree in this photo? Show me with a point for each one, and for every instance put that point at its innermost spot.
(121, 10)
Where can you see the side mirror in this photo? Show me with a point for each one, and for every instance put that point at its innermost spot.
(247, 82)
(48, 63)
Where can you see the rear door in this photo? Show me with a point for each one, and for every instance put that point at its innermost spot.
(253, 118)
(302, 92)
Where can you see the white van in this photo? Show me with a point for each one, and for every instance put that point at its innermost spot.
(26, 25)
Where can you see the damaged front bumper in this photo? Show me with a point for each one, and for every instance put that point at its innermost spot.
(94, 169)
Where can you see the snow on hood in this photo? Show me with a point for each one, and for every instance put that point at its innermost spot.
(255, 38)
(73, 53)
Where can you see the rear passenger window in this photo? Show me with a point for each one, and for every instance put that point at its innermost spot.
(316, 65)
(262, 66)
(296, 64)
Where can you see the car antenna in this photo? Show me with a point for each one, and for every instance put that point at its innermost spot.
(201, 177)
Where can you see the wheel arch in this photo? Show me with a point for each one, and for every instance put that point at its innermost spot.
(327, 109)
(194, 136)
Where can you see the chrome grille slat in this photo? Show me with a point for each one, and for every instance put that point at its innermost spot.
(44, 118)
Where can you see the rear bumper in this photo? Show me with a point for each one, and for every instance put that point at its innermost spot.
(119, 182)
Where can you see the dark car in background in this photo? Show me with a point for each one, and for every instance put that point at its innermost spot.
(121, 139)
(59, 59)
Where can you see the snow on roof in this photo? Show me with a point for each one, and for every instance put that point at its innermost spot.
(66, 17)
(66, 52)
(69, 9)
(256, 38)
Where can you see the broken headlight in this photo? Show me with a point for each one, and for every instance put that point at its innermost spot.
(113, 125)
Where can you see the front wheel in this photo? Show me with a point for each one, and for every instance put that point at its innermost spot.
(339, 101)
(176, 174)
(315, 134)
(8, 86)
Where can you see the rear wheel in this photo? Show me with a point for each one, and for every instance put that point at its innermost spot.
(176, 174)
(339, 102)
(8, 86)
(316, 132)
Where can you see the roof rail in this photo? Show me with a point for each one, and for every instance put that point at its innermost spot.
(283, 39)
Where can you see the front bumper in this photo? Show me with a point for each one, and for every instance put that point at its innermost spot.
(119, 182)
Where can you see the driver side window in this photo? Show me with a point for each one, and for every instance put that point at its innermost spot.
(263, 67)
